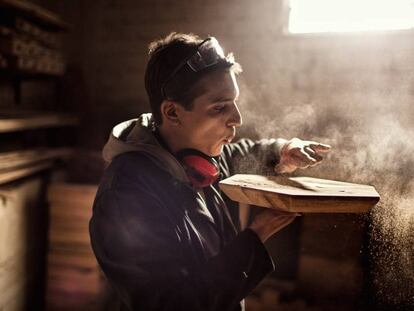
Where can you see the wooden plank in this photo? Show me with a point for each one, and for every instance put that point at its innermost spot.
(15, 271)
(46, 37)
(62, 223)
(18, 227)
(74, 276)
(17, 159)
(31, 66)
(63, 300)
(68, 193)
(10, 122)
(16, 304)
(69, 236)
(69, 259)
(36, 13)
(17, 46)
(300, 194)
(71, 280)
(70, 211)
(81, 249)
(72, 266)
(14, 291)
(14, 28)
(50, 66)
(20, 258)
(6, 177)
(75, 212)
(16, 165)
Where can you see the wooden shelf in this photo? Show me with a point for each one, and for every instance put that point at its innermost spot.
(31, 11)
(19, 164)
(23, 172)
(14, 122)
(16, 159)
(31, 48)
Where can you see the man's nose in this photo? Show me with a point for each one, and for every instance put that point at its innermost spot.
(235, 119)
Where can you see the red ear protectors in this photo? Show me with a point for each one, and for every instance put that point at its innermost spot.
(201, 169)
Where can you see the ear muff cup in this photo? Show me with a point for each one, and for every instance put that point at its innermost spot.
(201, 169)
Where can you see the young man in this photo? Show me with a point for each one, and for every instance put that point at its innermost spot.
(161, 229)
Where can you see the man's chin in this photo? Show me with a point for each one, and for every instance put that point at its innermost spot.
(216, 152)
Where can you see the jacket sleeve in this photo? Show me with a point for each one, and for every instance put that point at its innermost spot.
(143, 255)
(251, 157)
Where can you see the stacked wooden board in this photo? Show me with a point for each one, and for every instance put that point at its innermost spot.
(14, 121)
(18, 164)
(30, 40)
(34, 13)
(30, 47)
(300, 194)
(22, 244)
(74, 277)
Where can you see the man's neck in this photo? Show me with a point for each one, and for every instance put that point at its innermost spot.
(169, 139)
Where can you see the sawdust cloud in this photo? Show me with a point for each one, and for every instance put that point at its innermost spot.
(372, 140)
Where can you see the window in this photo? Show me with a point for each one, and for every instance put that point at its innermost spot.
(307, 16)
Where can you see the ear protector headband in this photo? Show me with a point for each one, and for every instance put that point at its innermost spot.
(201, 170)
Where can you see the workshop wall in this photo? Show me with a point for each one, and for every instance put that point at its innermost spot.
(281, 72)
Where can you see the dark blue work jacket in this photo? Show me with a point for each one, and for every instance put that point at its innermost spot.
(163, 245)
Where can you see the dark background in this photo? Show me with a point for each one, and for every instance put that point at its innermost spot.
(353, 91)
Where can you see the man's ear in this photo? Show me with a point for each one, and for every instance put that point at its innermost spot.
(169, 112)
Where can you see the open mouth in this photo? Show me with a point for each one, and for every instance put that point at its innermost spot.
(228, 139)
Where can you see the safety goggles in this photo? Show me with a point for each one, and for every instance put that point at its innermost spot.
(209, 53)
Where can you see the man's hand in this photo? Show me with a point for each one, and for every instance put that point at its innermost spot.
(297, 153)
(269, 221)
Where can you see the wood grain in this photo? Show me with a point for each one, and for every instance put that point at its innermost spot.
(25, 121)
(18, 164)
(72, 267)
(37, 13)
(300, 194)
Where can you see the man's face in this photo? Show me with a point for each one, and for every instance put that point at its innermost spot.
(212, 121)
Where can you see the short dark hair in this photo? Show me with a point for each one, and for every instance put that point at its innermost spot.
(164, 56)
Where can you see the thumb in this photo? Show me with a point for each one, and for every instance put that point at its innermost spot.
(279, 169)
(282, 168)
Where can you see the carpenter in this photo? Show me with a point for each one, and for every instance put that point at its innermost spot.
(163, 233)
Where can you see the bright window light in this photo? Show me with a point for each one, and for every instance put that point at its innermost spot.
(308, 16)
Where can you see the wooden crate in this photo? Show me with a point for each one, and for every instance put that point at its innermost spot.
(17, 46)
(32, 30)
(300, 194)
(22, 243)
(44, 65)
(73, 271)
(27, 55)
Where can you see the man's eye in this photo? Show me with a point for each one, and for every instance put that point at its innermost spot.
(219, 108)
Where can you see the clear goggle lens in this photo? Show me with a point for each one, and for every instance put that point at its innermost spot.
(208, 54)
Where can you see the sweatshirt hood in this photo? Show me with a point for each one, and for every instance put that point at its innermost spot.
(138, 135)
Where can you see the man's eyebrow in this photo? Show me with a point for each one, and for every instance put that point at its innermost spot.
(219, 99)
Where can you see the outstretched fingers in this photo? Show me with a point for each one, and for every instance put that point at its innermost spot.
(319, 147)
